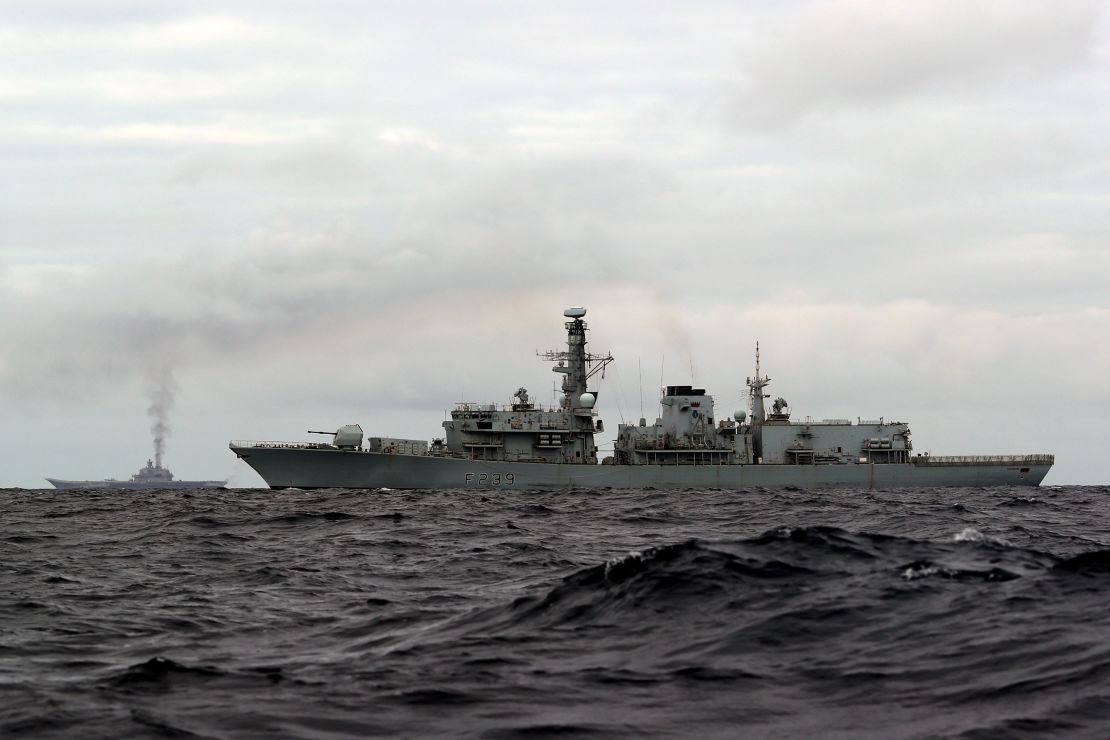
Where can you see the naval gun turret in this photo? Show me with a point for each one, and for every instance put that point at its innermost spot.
(346, 437)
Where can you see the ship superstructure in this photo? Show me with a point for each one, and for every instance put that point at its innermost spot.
(689, 433)
(528, 432)
(526, 445)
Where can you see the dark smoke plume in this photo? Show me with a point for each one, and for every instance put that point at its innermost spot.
(161, 389)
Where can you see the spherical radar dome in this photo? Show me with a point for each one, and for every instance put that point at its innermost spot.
(587, 400)
(740, 416)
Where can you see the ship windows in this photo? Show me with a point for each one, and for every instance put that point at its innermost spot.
(485, 425)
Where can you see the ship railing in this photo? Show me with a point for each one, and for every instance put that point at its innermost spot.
(273, 444)
(949, 460)
(486, 408)
(276, 445)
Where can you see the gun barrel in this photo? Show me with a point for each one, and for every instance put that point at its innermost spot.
(312, 432)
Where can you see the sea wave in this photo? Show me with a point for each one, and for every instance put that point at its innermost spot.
(929, 613)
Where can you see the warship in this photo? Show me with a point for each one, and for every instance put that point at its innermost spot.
(152, 475)
(523, 445)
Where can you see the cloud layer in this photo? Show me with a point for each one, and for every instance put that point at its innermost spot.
(822, 57)
(348, 214)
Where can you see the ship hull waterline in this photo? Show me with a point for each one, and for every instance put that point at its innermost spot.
(309, 468)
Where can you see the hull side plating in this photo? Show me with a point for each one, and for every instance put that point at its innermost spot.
(326, 468)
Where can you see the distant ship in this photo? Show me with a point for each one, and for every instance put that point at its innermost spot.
(152, 475)
(524, 445)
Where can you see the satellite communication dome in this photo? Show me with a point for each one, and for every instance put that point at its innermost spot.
(575, 313)
(740, 416)
(586, 400)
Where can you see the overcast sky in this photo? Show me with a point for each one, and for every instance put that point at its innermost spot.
(281, 216)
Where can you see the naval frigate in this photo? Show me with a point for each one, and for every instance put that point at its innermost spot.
(523, 445)
(152, 475)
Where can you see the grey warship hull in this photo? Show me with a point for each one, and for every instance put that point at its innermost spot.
(313, 467)
(134, 485)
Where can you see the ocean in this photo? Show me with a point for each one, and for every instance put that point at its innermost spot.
(925, 613)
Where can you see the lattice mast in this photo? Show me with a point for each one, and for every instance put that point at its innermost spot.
(759, 414)
(576, 364)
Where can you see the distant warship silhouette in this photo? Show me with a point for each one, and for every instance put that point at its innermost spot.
(152, 475)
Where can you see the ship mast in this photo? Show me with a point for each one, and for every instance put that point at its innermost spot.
(759, 415)
(576, 364)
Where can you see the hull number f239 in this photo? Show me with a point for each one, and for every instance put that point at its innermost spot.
(490, 479)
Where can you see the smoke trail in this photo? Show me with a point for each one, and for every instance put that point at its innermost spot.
(670, 324)
(161, 388)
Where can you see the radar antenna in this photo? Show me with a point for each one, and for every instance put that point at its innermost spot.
(523, 401)
(576, 364)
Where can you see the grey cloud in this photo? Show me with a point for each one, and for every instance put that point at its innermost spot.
(826, 56)
(509, 236)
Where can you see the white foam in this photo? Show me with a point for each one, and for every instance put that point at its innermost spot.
(971, 534)
(922, 571)
(630, 556)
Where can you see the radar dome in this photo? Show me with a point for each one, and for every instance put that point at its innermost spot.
(586, 400)
(575, 313)
(740, 416)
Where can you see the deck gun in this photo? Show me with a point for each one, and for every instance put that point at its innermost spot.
(346, 437)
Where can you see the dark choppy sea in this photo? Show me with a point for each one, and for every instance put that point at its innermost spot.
(975, 613)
